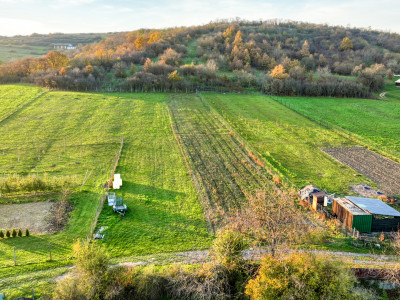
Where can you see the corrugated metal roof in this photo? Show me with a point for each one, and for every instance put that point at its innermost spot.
(348, 205)
(374, 206)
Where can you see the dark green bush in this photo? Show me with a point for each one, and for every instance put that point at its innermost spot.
(19, 232)
(26, 232)
(14, 233)
(1, 234)
(8, 234)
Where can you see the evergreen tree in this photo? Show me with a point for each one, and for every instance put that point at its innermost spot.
(14, 233)
(1, 234)
(8, 234)
(26, 232)
(19, 232)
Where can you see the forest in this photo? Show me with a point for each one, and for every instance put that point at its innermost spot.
(275, 57)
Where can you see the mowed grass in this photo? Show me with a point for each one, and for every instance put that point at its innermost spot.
(374, 122)
(13, 97)
(164, 213)
(66, 133)
(288, 141)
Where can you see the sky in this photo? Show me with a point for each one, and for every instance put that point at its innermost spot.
(24, 17)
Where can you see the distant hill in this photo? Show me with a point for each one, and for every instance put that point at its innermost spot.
(283, 58)
(17, 47)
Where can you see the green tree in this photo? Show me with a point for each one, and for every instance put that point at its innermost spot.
(8, 234)
(14, 233)
(347, 44)
(26, 232)
(301, 276)
(1, 234)
(19, 232)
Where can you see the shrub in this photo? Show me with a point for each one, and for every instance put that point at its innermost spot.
(227, 247)
(19, 232)
(1, 234)
(301, 276)
(8, 234)
(14, 233)
(27, 232)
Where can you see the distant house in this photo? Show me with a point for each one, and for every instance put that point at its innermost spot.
(366, 214)
(64, 47)
(397, 82)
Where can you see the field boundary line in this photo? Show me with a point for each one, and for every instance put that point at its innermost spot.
(354, 137)
(21, 107)
(192, 171)
(105, 192)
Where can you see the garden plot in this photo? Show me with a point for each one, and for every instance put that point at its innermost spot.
(223, 172)
(383, 171)
(34, 216)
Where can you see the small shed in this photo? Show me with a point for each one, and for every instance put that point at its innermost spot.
(306, 193)
(351, 215)
(319, 198)
(384, 217)
(397, 83)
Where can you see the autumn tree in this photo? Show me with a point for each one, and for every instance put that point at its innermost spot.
(88, 70)
(174, 76)
(171, 57)
(238, 39)
(303, 276)
(63, 71)
(347, 44)
(147, 64)
(228, 33)
(305, 49)
(279, 72)
(56, 60)
(140, 42)
(155, 36)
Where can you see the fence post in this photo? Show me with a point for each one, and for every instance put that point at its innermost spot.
(15, 257)
(50, 251)
(33, 294)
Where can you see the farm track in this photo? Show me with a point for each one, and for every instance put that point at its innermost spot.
(225, 174)
(381, 170)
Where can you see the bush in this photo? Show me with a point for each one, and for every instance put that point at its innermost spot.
(1, 234)
(27, 232)
(301, 276)
(8, 234)
(227, 247)
(14, 233)
(19, 232)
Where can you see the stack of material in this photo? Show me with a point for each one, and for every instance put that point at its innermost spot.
(117, 181)
(111, 198)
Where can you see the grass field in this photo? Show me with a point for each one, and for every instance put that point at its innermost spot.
(63, 133)
(164, 212)
(15, 52)
(287, 140)
(374, 122)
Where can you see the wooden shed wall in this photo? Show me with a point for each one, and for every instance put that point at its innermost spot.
(342, 214)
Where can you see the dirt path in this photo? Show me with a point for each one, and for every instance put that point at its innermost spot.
(194, 257)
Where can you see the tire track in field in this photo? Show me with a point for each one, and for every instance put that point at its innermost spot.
(224, 174)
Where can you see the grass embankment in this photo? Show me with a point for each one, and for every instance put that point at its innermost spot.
(374, 122)
(287, 140)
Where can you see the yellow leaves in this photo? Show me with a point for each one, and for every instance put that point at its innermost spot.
(154, 37)
(238, 39)
(174, 76)
(279, 72)
(63, 71)
(140, 42)
(347, 44)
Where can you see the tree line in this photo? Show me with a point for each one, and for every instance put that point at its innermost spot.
(281, 58)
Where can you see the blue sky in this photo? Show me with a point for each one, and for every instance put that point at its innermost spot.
(70, 16)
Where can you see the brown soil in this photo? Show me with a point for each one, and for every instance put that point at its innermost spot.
(33, 216)
(381, 170)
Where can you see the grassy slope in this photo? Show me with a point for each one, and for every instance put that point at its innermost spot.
(8, 53)
(164, 213)
(377, 122)
(287, 140)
